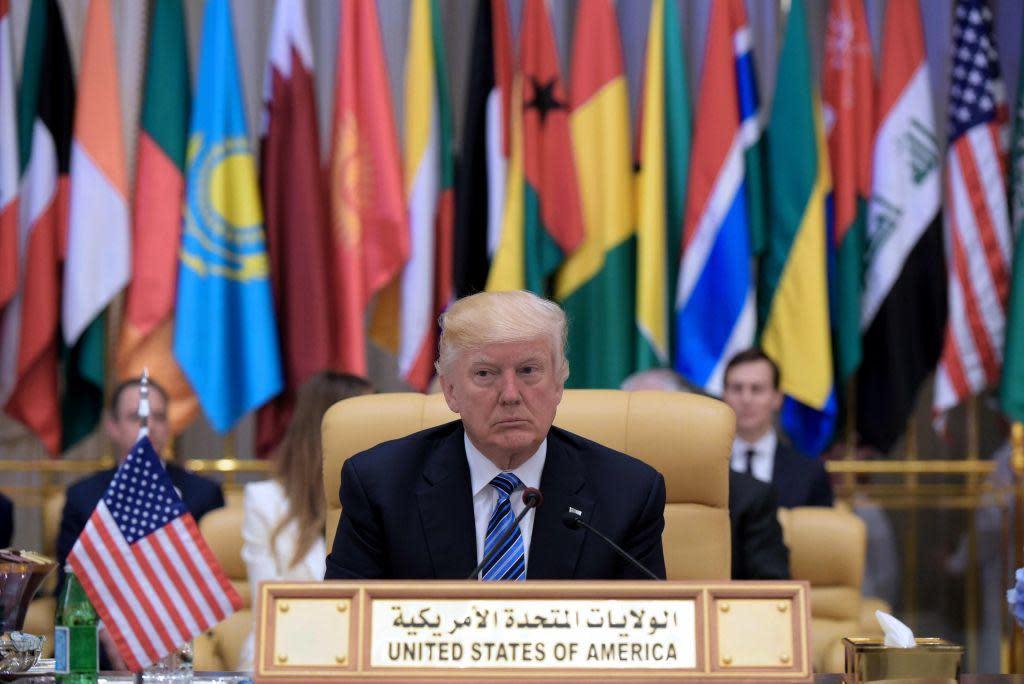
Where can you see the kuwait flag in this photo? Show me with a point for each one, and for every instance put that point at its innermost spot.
(298, 244)
(594, 284)
(480, 175)
(9, 257)
(46, 103)
(715, 318)
(847, 99)
(429, 178)
(369, 227)
(148, 326)
(903, 309)
(793, 279)
(553, 222)
(98, 261)
(663, 152)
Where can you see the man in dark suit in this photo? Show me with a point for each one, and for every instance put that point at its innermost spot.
(751, 388)
(758, 551)
(430, 505)
(6, 521)
(121, 423)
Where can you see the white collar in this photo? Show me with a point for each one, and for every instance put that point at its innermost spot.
(482, 470)
(765, 445)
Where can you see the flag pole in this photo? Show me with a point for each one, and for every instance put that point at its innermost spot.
(144, 403)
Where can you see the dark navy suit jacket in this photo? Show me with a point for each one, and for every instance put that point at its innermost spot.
(199, 495)
(407, 511)
(799, 480)
(758, 551)
(6, 521)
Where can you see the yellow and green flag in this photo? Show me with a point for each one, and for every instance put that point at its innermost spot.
(793, 292)
(664, 156)
(594, 285)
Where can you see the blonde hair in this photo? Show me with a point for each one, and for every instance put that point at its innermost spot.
(476, 321)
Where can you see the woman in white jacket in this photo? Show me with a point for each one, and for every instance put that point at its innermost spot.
(283, 529)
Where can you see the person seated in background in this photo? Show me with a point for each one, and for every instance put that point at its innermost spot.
(6, 521)
(751, 388)
(283, 524)
(758, 549)
(121, 424)
(426, 506)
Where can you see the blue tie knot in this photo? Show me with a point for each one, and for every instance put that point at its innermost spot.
(506, 483)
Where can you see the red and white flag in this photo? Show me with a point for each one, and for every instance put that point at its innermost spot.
(144, 565)
(8, 161)
(978, 241)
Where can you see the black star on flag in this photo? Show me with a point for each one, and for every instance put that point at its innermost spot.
(544, 99)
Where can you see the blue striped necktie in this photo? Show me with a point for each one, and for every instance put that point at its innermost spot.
(509, 562)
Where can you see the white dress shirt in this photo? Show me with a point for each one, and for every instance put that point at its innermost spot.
(763, 459)
(485, 497)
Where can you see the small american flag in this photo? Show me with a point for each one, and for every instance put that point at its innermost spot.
(978, 242)
(144, 565)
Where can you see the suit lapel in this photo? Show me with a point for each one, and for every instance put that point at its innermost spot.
(554, 548)
(446, 509)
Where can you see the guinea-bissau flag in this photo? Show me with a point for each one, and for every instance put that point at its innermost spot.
(46, 102)
(793, 292)
(552, 211)
(147, 328)
(595, 284)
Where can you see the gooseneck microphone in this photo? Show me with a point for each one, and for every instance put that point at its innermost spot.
(532, 498)
(574, 521)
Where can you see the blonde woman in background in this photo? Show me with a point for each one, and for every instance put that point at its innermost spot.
(283, 529)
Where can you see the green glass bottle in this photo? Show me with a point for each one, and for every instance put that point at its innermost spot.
(76, 646)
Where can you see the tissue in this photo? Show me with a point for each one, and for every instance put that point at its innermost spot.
(897, 634)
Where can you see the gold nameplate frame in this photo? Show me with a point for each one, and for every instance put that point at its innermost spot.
(537, 631)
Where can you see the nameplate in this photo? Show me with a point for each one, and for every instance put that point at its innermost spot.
(626, 631)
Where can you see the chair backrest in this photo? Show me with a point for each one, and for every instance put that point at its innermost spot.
(686, 437)
(827, 547)
(222, 530)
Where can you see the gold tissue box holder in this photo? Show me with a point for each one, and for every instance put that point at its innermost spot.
(932, 661)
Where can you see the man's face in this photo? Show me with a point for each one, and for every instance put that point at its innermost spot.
(507, 395)
(751, 394)
(123, 425)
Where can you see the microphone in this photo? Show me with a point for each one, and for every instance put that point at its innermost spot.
(532, 498)
(574, 521)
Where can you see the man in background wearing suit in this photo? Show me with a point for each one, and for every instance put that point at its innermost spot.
(427, 506)
(758, 550)
(121, 423)
(751, 388)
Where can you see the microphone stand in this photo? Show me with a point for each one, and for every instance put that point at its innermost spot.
(575, 521)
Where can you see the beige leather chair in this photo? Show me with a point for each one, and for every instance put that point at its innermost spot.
(687, 437)
(827, 547)
(218, 649)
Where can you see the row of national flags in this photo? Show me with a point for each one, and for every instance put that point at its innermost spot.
(836, 230)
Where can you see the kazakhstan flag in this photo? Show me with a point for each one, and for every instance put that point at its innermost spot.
(225, 335)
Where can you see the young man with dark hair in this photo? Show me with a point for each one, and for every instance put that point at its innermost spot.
(751, 388)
